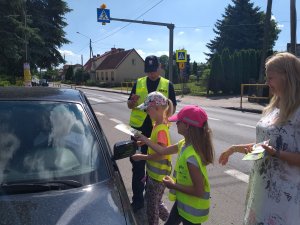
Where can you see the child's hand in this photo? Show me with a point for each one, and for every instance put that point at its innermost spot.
(140, 143)
(224, 157)
(140, 137)
(169, 182)
(137, 157)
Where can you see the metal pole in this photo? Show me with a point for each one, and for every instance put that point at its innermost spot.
(171, 32)
(293, 26)
(171, 28)
(90, 48)
(25, 21)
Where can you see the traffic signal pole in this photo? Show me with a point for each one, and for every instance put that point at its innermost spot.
(170, 26)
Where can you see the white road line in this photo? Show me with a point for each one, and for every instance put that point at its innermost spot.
(211, 118)
(95, 99)
(104, 97)
(245, 125)
(239, 175)
(115, 120)
(99, 114)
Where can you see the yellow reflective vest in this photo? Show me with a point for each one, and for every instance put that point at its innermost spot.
(158, 169)
(192, 208)
(137, 116)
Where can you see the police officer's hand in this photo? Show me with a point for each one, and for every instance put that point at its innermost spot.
(132, 102)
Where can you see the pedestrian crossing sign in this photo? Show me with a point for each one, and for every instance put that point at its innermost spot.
(103, 15)
(181, 56)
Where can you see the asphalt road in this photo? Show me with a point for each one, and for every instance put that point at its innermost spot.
(228, 183)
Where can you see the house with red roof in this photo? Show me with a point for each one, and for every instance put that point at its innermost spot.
(115, 66)
(120, 66)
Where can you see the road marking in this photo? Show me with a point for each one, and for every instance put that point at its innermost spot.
(99, 114)
(115, 120)
(95, 99)
(211, 118)
(245, 125)
(239, 175)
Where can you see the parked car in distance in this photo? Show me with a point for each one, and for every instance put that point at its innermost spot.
(44, 82)
(56, 166)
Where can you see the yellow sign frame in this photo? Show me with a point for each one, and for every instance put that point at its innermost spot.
(184, 52)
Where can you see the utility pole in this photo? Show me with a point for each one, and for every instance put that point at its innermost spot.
(265, 43)
(293, 19)
(90, 44)
(26, 65)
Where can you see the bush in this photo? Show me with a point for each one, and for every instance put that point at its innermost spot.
(5, 83)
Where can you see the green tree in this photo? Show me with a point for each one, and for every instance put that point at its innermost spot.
(70, 74)
(242, 27)
(195, 68)
(216, 79)
(164, 61)
(48, 17)
(44, 31)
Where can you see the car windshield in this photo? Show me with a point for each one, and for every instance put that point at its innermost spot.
(43, 141)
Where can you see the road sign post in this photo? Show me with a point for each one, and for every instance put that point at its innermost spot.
(170, 26)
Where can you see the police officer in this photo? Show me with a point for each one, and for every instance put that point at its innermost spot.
(142, 122)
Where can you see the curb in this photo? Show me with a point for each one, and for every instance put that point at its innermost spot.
(257, 111)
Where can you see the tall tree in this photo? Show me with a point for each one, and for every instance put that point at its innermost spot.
(242, 27)
(48, 17)
(44, 33)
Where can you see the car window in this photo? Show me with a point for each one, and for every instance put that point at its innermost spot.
(42, 140)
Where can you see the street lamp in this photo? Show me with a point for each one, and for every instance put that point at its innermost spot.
(91, 50)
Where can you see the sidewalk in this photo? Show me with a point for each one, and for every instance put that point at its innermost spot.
(229, 102)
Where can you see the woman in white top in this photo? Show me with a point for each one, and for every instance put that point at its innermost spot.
(274, 187)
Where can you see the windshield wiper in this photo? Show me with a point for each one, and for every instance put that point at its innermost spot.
(30, 187)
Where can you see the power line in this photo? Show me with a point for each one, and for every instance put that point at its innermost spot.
(129, 23)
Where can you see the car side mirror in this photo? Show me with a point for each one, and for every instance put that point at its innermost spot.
(124, 149)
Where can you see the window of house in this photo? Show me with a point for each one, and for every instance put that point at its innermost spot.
(112, 75)
(106, 75)
(133, 61)
(102, 76)
(98, 76)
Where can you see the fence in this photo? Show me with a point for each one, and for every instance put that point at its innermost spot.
(256, 90)
(126, 86)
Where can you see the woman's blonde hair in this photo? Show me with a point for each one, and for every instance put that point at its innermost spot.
(201, 139)
(288, 66)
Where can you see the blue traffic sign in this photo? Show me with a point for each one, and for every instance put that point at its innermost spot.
(103, 15)
(181, 56)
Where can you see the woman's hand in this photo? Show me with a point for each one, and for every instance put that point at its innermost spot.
(169, 182)
(138, 157)
(271, 151)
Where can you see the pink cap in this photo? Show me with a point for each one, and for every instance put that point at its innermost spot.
(192, 115)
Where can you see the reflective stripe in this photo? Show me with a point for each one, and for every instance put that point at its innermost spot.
(157, 170)
(172, 191)
(164, 162)
(192, 211)
(206, 195)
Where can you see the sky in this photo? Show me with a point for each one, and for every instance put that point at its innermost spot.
(194, 22)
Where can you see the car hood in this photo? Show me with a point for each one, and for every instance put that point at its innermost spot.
(93, 204)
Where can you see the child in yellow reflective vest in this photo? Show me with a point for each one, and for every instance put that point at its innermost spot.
(189, 186)
(158, 166)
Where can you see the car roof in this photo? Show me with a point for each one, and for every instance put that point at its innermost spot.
(40, 93)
